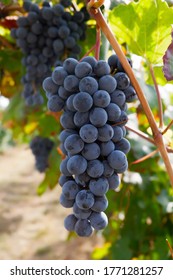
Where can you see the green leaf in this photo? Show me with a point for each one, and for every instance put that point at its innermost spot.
(51, 125)
(52, 174)
(158, 72)
(15, 110)
(145, 26)
(10, 59)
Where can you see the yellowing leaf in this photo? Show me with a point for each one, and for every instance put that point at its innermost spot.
(100, 253)
(30, 127)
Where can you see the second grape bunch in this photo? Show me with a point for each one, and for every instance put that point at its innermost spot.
(93, 96)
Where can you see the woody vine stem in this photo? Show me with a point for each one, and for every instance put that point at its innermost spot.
(94, 10)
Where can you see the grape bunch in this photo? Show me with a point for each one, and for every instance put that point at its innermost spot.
(41, 148)
(46, 35)
(93, 96)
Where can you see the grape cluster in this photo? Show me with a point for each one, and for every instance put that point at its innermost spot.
(46, 35)
(93, 96)
(41, 148)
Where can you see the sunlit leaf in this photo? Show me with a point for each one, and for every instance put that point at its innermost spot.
(145, 26)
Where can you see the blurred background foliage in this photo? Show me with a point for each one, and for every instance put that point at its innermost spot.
(141, 210)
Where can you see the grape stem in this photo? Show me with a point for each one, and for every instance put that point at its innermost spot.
(160, 107)
(98, 41)
(157, 134)
(170, 248)
(146, 137)
(140, 133)
(166, 129)
(88, 52)
(145, 157)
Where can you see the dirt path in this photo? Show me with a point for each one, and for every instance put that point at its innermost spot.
(31, 227)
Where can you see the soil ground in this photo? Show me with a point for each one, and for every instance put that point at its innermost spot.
(31, 227)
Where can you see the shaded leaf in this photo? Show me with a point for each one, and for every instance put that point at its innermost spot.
(168, 62)
(52, 173)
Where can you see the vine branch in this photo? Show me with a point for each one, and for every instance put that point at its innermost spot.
(160, 108)
(166, 129)
(170, 248)
(157, 135)
(141, 134)
(145, 157)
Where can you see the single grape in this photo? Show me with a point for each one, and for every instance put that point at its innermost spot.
(113, 61)
(74, 144)
(98, 220)
(59, 75)
(82, 102)
(123, 145)
(69, 222)
(118, 97)
(76, 165)
(108, 171)
(63, 179)
(95, 168)
(55, 103)
(98, 117)
(82, 179)
(91, 151)
(66, 120)
(58, 10)
(106, 148)
(63, 93)
(113, 112)
(117, 159)
(65, 133)
(81, 213)
(90, 59)
(101, 98)
(83, 69)
(63, 32)
(118, 133)
(89, 85)
(99, 187)
(114, 181)
(81, 118)
(101, 68)
(123, 80)
(50, 86)
(70, 189)
(69, 42)
(69, 65)
(130, 94)
(107, 83)
(105, 133)
(69, 103)
(71, 83)
(100, 204)
(63, 167)
(83, 228)
(67, 203)
(84, 199)
(88, 133)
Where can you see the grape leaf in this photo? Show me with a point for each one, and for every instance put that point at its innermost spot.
(145, 26)
(168, 62)
(52, 173)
